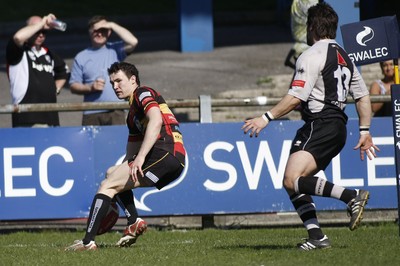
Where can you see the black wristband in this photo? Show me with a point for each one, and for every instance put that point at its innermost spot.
(268, 117)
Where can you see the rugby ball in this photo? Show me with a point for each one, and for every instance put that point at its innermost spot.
(110, 219)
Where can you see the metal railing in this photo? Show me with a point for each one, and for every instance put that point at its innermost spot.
(205, 104)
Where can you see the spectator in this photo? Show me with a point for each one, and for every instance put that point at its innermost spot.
(89, 70)
(36, 74)
(298, 23)
(382, 87)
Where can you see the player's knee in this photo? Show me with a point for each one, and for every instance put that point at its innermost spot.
(103, 185)
(288, 183)
(109, 171)
(107, 188)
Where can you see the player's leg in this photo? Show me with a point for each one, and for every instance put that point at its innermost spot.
(319, 142)
(354, 198)
(126, 202)
(319, 154)
(135, 226)
(160, 168)
(303, 163)
(98, 211)
(324, 139)
(117, 180)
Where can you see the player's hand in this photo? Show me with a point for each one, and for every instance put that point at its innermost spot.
(135, 167)
(254, 125)
(366, 145)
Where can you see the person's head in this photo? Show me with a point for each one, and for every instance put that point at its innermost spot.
(98, 35)
(322, 22)
(39, 37)
(33, 20)
(124, 78)
(387, 68)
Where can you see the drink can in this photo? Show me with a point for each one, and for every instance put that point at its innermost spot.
(59, 25)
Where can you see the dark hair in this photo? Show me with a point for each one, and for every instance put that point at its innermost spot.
(323, 21)
(129, 70)
(95, 19)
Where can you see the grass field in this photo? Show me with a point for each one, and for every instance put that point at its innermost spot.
(368, 245)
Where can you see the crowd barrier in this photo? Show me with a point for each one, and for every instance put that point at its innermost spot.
(204, 103)
(53, 173)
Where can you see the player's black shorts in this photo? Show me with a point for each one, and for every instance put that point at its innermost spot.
(323, 138)
(161, 167)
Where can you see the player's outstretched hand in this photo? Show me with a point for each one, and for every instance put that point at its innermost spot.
(254, 125)
(366, 145)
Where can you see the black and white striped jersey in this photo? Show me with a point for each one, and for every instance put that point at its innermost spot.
(325, 76)
(32, 74)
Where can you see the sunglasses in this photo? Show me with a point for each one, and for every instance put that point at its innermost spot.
(103, 31)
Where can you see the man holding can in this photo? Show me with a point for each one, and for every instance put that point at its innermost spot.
(35, 72)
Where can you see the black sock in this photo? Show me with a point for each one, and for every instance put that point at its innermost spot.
(348, 195)
(126, 201)
(100, 205)
(312, 185)
(305, 208)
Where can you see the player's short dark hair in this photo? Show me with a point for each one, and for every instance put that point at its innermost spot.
(323, 21)
(129, 70)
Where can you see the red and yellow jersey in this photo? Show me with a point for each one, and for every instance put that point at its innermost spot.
(170, 138)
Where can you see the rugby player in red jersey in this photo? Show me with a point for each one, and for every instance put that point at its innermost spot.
(155, 156)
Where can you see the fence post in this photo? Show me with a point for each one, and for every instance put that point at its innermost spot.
(205, 109)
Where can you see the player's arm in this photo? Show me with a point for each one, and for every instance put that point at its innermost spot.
(285, 105)
(150, 137)
(365, 143)
(152, 131)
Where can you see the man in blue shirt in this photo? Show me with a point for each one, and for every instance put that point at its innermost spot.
(89, 70)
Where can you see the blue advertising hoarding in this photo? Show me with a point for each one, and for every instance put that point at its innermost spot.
(53, 173)
(371, 41)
